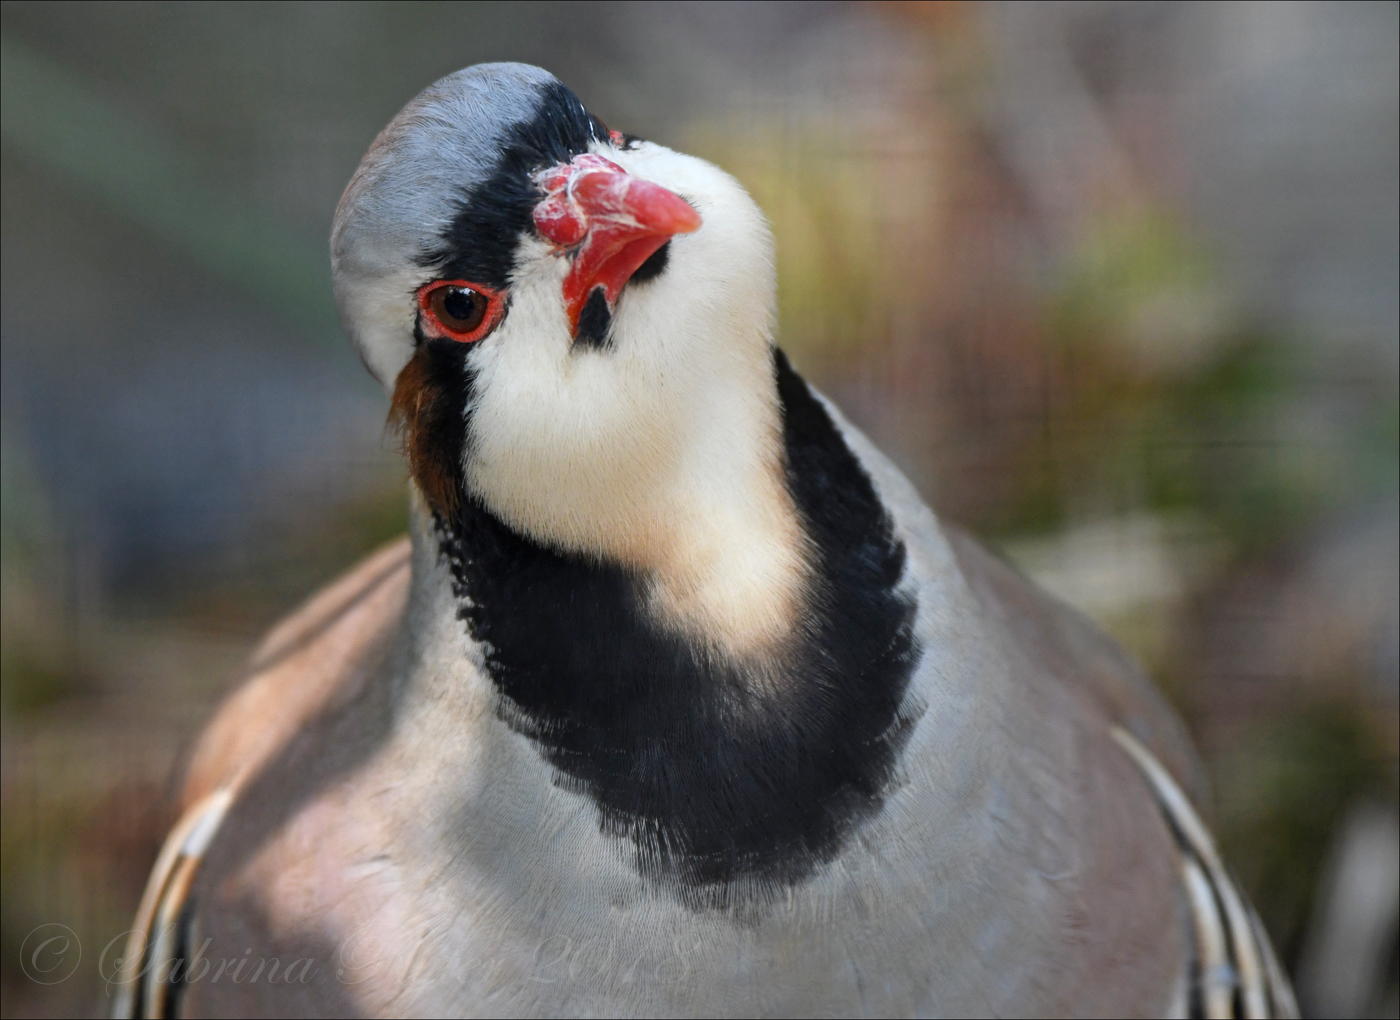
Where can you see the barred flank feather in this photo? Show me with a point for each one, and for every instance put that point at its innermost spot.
(1235, 973)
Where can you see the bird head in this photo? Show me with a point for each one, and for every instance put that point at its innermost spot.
(576, 329)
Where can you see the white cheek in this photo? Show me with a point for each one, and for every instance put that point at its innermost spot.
(561, 440)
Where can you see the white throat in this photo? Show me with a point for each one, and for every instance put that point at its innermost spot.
(670, 466)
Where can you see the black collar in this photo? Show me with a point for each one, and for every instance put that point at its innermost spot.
(713, 779)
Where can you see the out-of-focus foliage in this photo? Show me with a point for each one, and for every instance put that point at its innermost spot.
(1284, 789)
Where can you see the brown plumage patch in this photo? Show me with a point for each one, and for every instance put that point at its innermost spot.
(427, 416)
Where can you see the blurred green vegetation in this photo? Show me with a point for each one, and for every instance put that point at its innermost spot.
(1164, 399)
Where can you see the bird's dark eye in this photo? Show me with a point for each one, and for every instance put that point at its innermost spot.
(457, 310)
(460, 309)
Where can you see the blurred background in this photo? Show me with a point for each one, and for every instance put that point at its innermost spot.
(1114, 283)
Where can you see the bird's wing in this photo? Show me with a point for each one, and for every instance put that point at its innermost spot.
(310, 662)
(1067, 665)
(1233, 970)
(304, 663)
(1079, 655)
(1066, 648)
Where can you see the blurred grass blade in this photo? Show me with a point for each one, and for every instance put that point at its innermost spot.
(59, 121)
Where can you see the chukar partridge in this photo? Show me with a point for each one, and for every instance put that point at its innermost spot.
(678, 700)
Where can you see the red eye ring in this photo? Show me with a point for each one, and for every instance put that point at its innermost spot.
(459, 310)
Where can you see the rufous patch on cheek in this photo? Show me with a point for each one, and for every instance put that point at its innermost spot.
(422, 414)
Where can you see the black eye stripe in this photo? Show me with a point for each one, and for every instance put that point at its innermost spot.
(480, 243)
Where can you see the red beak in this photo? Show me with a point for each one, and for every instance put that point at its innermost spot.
(615, 220)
